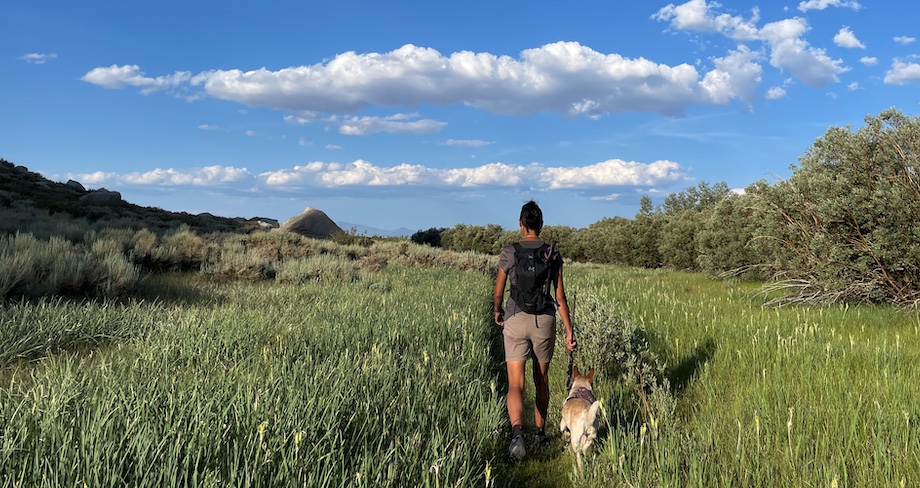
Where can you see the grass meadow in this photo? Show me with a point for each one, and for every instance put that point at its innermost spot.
(394, 378)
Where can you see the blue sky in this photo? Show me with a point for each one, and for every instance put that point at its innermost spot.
(423, 114)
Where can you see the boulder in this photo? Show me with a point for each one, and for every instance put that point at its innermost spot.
(75, 185)
(266, 223)
(311, 223)
(101, 197)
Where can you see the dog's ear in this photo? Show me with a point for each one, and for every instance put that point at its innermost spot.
(575, 371)
(590, 375)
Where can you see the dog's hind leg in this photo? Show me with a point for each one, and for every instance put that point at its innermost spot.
(577, 432)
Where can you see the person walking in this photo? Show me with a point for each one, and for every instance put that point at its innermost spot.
(529, 334)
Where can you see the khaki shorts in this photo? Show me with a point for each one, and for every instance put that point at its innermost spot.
(530, 336)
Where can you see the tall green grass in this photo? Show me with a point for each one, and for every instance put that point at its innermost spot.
(766, 396)
(395, 379)
(320, 384)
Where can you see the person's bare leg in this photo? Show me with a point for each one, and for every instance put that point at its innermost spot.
(515, 396)
(541, 402)
(515, 402)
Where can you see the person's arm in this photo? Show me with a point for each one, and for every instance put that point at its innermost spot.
(497, 296)
(564, 312)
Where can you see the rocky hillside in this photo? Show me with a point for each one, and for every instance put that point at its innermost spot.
(24, 193)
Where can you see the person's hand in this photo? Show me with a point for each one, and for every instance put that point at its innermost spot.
(500, 318)
(570, 342)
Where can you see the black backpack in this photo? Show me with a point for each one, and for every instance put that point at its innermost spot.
(533, 272)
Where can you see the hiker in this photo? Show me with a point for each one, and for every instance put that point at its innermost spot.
(530, 334)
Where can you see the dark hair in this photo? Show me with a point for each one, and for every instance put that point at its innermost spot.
(532, 216)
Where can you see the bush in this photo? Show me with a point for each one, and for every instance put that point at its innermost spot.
(117, 276)
(846, 225)
(618, 347)
(35, 267)
(235, 262)
(15, 263)
(323, 267)
(683, 215)
(476, 238)
(606, 241)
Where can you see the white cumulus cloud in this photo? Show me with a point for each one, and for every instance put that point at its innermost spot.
(737, 75)
(868, 60)
(903, 73)
(116, 77)
(846, 38)
(563, 77)
(775, 93)
(789, 51)
(904, 40)
(699, 16)
(613, 172)
(206, 176)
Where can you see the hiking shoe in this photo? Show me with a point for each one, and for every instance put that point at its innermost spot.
(516, 450)
(540, 439)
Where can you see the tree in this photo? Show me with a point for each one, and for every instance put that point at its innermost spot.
(682, 219)
(724, 240)
(431, 237)
(846, 225)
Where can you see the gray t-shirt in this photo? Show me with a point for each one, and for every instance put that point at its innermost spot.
(506, 262)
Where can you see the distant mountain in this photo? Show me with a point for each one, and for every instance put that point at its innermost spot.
(372, 231)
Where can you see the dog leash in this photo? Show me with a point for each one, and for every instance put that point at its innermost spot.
(568, 378)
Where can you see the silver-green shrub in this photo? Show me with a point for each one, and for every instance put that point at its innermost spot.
(236, 261)
(38, 267)
(321, 267)
(846, 225)
(618, 348)
(15, 265)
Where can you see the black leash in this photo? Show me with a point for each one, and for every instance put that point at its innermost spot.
(568, 378)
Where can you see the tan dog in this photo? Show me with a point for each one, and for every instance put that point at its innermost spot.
(579, 414)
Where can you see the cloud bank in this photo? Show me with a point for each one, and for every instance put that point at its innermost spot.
(360, 174)
(564, 77)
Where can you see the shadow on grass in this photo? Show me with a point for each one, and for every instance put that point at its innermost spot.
(23, 348)
(623, 403)
(681, 375)
(173, 288)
